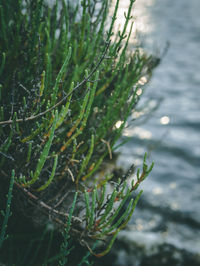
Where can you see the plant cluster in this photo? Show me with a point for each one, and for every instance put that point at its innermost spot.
(64, 86)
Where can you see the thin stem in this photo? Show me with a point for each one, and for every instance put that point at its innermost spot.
(86, 79)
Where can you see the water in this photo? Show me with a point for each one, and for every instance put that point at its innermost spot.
(169, 211)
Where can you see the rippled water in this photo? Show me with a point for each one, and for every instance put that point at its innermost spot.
(171, 200)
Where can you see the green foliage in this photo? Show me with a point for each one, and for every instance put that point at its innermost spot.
(7, 213)
(65, 244)
(64, 85)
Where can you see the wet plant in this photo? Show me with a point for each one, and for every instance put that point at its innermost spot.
(66, 92)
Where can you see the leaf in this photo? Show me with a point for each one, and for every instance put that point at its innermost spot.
(51, 176)
(44, 154)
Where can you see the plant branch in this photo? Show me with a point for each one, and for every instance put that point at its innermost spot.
(86, 79)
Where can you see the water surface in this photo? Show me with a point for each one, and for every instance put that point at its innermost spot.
(171, 198)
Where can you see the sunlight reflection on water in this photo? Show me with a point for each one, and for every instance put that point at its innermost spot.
(140, 15)
(137, 131)
(172, 135)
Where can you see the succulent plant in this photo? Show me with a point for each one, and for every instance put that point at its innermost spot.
(64, 86)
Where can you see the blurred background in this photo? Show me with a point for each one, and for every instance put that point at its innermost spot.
(165, 228)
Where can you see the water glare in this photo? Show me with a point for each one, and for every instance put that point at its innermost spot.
(164, 120)
(118, 124)
(137, 131)
(139, 92)
(157, 191)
